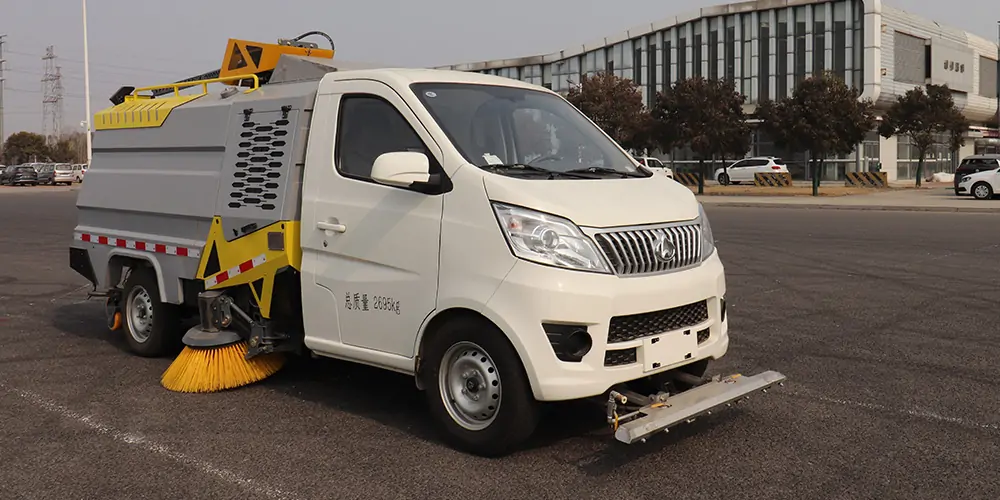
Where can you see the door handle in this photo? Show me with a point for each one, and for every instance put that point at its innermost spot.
(331, 226)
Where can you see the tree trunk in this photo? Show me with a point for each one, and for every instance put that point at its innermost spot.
(701, 176)
(920, 168)
(814, 167)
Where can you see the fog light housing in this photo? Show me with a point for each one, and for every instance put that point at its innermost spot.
(570, 343)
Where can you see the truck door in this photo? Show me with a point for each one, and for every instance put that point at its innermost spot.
(370, 251)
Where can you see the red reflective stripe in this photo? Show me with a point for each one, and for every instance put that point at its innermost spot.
(246, 266)
(160, 248)
(183, 252)
(140, 245)
(223, 276)
(85, 237)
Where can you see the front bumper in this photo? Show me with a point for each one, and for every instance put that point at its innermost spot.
(682, 311)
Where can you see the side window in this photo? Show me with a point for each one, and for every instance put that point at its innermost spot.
(369, 126)
(741, 163)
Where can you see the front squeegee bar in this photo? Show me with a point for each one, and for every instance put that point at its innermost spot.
(692, 403)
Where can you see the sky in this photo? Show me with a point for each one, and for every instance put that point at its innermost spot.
(130, 45)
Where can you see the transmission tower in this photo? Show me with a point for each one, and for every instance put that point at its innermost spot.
(52, 97)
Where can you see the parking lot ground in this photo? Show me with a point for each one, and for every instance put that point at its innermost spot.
(936, 199)
(884, 323)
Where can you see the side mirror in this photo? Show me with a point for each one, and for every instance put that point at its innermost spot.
(401, 168)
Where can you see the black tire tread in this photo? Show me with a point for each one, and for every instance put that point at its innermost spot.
(519, 411)
(166, 336)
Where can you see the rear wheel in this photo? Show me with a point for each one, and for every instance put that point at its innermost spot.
(723, 179)
(477, 388)
(152, 328)
(982, 191)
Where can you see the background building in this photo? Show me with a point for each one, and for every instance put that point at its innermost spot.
(768, 46)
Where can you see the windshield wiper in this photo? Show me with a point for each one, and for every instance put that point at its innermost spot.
(605, 170)
(532, 168)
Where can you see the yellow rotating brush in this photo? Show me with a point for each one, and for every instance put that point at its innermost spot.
(212, 369)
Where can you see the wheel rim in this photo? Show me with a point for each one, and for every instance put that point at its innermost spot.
(139, 314)
(982, 191)
(470, 387)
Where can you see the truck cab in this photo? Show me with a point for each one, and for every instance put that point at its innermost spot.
(475, 232)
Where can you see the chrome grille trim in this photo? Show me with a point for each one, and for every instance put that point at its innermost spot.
(629, 250)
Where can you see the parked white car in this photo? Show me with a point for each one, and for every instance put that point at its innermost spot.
(983, 185)
(656, 166)
(744, 170)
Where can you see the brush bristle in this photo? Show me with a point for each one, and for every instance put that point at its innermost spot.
(218, 369)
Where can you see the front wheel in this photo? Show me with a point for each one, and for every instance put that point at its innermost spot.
(477, 388)
(982, 191)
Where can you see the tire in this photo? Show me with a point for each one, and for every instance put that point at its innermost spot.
(982, 191)
(514, 417)
(149, 336)
(723, 179)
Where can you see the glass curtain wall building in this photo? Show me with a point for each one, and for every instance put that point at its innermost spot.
(767, 47)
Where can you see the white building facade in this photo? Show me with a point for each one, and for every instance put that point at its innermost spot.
(767, 46)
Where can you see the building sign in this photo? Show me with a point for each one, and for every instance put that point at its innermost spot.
(951, 64)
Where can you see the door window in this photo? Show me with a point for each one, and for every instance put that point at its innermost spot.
(368, 127)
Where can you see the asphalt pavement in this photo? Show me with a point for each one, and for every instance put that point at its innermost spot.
(884, 322)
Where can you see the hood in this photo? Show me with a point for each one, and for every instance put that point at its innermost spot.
(599, 203)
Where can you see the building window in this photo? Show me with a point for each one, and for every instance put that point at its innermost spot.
(763, 62)
(696, 52)
(819, 47)
(730, 53)
(667, 51)
(987, 77)
(713, 54)
(840, 48)
(637, 64)
(681, 59)
(781, 57)
(651, 88)
(800, 51)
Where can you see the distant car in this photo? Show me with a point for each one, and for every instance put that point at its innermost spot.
(655, 165)
(47, 174)
(67, 174)
(19, 175)
(744, 170)
(971, 165)
(983, 185)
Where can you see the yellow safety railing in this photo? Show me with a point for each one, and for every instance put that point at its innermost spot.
(204, 86)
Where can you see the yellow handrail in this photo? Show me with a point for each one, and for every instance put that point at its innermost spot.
(204, 85)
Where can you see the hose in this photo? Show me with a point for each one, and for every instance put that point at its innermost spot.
(308, 33)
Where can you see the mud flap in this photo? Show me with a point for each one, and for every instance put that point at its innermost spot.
(685, 406)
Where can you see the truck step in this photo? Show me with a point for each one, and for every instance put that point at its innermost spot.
(720, 392)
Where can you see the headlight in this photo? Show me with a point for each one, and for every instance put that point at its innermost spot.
(547, 239)
(707, 238)
(965, 179)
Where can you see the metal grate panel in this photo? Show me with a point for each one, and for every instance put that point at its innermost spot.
(635, 326)
(638, 251)
(258, 173)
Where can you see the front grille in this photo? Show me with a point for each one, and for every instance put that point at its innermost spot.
(619, 357)
(635, 326)
(634, 251)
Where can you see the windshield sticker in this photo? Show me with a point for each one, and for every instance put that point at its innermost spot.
(492, 159)
(430, 94)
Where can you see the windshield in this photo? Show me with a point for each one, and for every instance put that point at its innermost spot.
(497, 125)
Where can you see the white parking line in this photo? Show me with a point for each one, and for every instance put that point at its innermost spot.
(141, 442)
(927, 415)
